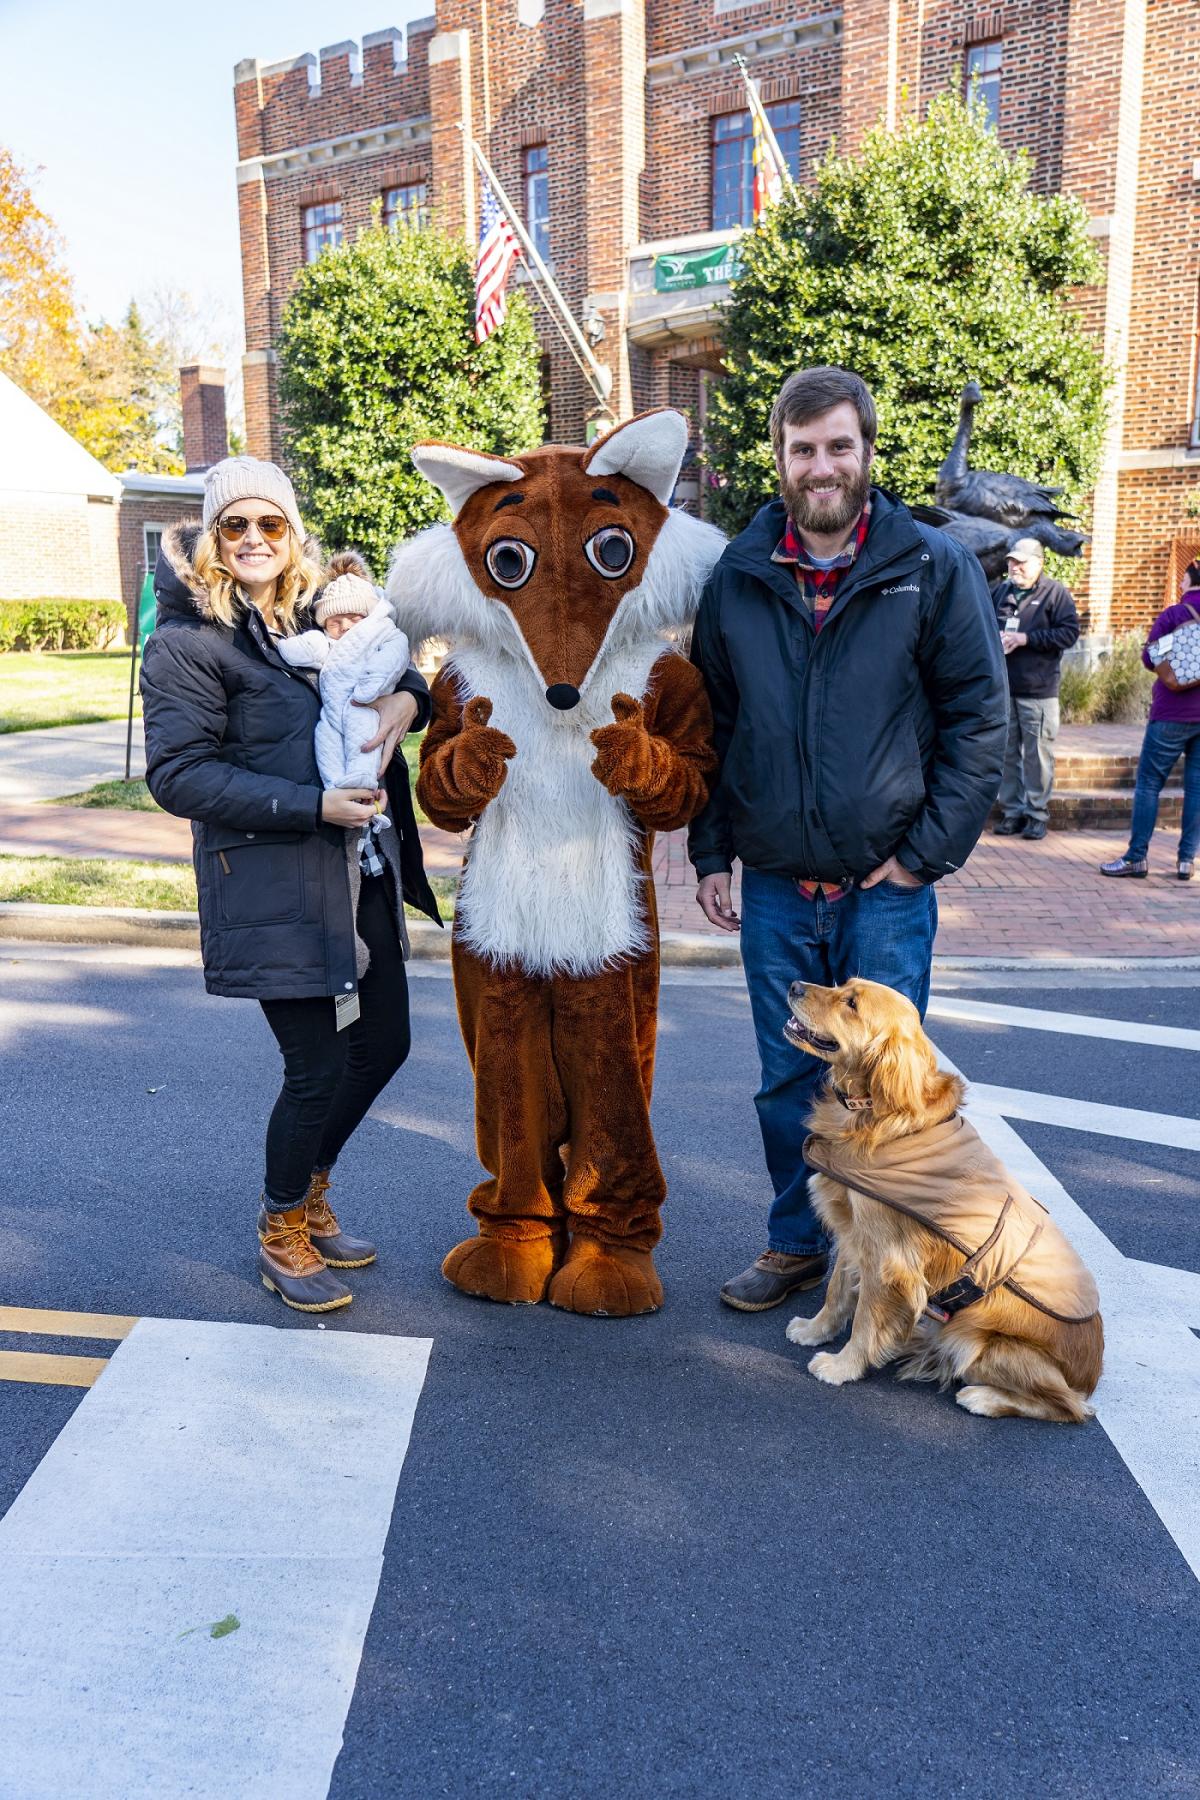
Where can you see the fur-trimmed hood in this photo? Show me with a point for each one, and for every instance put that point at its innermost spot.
(181, 593)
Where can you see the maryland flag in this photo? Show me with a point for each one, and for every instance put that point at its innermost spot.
(768, 176)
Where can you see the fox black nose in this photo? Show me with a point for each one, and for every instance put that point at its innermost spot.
(562, 695)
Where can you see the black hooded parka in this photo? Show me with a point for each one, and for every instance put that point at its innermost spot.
(229, 745)
(882, 734)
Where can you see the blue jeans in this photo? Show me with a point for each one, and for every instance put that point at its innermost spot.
(884, 933)
(1166, 740)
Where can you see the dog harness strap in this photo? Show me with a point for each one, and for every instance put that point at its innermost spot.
(950, 1300)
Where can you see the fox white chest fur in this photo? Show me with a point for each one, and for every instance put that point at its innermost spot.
(553, 878)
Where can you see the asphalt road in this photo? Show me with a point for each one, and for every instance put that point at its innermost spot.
(650, 1557)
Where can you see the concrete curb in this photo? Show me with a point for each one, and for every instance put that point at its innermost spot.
(146, 929)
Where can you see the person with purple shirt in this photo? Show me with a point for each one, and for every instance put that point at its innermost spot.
(1173, 730)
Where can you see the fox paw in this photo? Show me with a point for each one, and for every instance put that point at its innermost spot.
(606, 1281)
(516, 1271)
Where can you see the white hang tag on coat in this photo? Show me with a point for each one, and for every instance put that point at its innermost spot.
(347, 1008)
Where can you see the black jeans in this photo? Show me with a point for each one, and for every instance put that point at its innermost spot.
(332, 1078)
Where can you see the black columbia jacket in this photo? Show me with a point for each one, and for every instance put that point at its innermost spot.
(229, 745)
(881, 735)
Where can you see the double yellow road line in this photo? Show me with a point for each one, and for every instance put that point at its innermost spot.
(57, 1370)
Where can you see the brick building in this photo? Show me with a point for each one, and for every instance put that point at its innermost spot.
(619, 129)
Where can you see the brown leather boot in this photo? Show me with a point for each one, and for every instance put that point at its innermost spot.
(340, 1250)
(291, 1268)
(333, 1245)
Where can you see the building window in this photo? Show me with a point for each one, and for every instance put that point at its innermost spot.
(322, 228)
(984, 62)
(535, 172)
(733, 160)
(406, 206)
(152, 537)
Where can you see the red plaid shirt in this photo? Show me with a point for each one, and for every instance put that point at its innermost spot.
(818, 586)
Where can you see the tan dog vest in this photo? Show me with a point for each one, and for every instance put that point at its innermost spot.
(949, 1181)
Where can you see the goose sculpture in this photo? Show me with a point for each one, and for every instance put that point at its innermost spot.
(991, 541)
(983, 493)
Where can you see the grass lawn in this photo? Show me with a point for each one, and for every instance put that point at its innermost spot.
(63, 687)
(130, 796)
(103, 881)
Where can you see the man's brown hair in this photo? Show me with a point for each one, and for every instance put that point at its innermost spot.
(811, 392)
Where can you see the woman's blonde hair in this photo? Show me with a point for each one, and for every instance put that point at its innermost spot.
(297, 582)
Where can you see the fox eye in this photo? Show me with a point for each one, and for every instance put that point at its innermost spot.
(610, 551)
(510, 562)
(851, 1002)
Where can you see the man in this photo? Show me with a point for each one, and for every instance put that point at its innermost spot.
(858, 696)
(1038, 622)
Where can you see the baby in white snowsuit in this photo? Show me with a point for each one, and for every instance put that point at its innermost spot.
(360, 654)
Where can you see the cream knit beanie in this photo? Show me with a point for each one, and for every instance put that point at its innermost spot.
(245, 478)
(348, 595)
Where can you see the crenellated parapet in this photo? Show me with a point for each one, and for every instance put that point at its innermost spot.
(315, 97)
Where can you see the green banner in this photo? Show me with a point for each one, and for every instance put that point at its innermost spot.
(701, 269)
(147, 608)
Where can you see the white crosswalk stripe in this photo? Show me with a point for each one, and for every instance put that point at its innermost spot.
(1148, 1400)
(215, 1473)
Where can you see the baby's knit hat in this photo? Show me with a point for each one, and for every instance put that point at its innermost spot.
(245, 478)
(349, 592)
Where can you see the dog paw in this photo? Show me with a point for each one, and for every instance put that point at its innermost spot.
(833, 1370)
(979, 1400)
(805, 1331)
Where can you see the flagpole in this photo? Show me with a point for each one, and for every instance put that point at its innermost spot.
(598, 377)
(760, 112)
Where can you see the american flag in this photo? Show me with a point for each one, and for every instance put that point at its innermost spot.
(498, 251)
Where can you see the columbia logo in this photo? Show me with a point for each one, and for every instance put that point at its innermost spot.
(910, 588)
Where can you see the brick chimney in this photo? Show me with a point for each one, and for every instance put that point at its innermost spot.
(205, 438)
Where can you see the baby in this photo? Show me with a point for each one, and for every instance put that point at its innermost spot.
(359, 654)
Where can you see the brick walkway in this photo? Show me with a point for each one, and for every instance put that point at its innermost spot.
(1013, 898)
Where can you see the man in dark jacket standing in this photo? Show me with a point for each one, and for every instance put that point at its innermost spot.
(1038, 621)
(857, 686)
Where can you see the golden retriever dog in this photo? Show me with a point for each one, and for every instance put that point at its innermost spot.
(1019, 1359)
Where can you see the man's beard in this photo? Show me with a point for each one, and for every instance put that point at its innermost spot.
(827, 517)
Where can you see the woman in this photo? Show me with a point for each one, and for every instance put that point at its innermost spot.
(1173, 730)
(229, 745)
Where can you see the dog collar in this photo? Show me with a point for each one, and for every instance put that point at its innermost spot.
(849, 1101)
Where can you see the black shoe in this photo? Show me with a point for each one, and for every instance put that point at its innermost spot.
(1009, 827)
(1035, 829)
(1184, 867)
(771, 1278)
(1121, 867)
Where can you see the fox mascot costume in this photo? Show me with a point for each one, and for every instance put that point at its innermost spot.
(566, 731)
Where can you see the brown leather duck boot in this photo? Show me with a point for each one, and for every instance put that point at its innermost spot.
(333, 1245)
(291, 1268)
(340, 1250)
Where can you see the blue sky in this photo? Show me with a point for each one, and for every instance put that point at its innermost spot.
(128, 110)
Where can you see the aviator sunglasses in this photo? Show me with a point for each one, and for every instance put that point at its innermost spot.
(233, 526)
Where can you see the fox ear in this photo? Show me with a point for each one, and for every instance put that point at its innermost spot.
(460, 473)
(648, 450)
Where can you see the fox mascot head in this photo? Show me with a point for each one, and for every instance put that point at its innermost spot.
(556, 556)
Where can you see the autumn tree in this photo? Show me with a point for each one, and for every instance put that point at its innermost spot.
(38, 329)
(120, 401)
